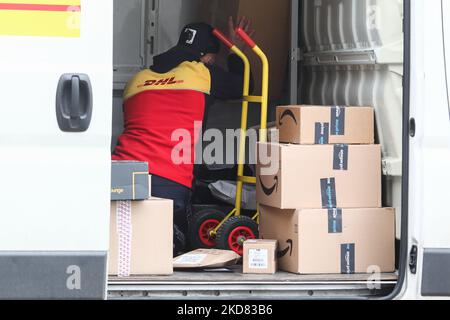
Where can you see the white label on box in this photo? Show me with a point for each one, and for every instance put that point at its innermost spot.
(258, 258)
(191, 259)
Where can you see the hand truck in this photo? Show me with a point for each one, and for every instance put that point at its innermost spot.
(230, 231)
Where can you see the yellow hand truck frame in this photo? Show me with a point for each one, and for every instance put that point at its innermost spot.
(233, 236)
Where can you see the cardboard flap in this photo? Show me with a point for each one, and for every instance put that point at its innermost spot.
(206, 258)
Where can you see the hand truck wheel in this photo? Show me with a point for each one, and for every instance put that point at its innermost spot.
(202, 223)
(235, 231)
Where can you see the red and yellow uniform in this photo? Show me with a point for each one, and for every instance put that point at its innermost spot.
(157, 104)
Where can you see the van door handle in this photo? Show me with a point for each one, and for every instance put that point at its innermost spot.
(74, 102)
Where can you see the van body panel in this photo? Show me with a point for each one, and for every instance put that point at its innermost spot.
(52, 275)
(55, 184)
(430, 152)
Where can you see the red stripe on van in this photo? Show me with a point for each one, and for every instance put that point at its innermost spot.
(38, 7)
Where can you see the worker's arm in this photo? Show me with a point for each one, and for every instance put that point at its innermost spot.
(228, 85)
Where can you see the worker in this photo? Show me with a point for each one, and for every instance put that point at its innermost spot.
(175, 94)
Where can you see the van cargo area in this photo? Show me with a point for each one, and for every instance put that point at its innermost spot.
(323, 53)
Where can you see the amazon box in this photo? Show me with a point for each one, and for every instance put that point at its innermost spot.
(326, 125)
(129, 180)
(141, 238)
(332, 241)
(319, 176)
(260, 256)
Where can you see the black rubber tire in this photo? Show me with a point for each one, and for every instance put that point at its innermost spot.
(197, 220)
(231, 225)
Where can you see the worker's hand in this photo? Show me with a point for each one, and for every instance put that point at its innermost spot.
(243, 23)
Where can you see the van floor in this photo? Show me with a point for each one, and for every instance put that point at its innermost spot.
(227, 283)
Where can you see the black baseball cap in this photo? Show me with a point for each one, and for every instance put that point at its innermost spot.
(198, 38)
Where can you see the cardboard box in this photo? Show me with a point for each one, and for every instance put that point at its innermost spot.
(260, 256)
(271, 20)
(322, 241)
(319, 176)
(129, 180)
(206, 259)
(141, 241)
(326, 125)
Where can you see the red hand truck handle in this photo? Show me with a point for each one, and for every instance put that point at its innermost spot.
(244, 36)
(219, 35)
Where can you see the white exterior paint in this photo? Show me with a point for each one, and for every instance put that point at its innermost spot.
(429, 217)
(55, 186)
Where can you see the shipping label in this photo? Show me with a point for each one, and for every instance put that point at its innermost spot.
(258, 259)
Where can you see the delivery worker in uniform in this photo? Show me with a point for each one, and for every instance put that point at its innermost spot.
(170, 99)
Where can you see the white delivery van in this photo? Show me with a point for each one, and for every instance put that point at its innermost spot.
(55, 169)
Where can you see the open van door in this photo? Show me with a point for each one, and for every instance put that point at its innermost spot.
(55, 129)
(429, 217)
(446, 31)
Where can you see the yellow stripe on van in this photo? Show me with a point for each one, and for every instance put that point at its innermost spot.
(46, 18)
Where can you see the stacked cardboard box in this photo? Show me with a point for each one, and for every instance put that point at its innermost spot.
(130, 181)
(260, 256)
(141, 232)
(320, 192)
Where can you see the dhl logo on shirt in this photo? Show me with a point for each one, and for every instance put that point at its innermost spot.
(187, 76)
(44, 18)
(160, 82)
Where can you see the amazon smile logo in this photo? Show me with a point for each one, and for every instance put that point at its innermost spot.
(287, 113)
(269, 190)
(288, 249)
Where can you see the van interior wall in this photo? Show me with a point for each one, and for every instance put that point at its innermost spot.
(352, 54)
